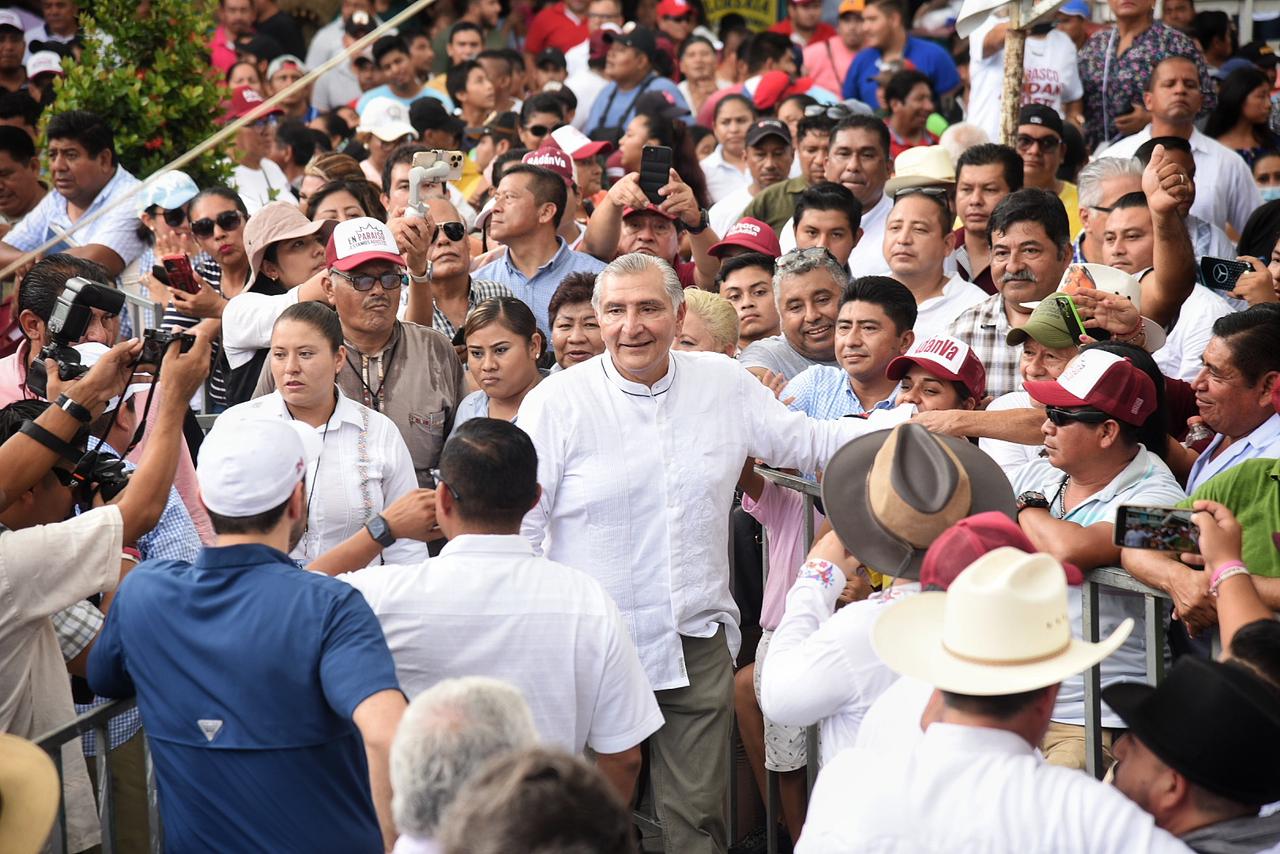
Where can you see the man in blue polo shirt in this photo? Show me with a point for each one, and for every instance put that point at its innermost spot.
(268, 693)
(885, 33)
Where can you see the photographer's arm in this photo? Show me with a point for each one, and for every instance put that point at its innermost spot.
(143, 501)
(102, 254)
(24, 460)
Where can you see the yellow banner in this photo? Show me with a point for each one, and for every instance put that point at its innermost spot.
(760, 14)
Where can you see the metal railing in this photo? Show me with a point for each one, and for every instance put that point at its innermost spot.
(96, 721)
(773, 806)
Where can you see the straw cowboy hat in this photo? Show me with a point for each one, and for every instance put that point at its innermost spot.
(889, 494)
(29, 795)
(1002, 627)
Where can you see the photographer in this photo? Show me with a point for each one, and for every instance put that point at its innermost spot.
(50, 560)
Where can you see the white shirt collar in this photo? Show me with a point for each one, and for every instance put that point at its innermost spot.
(487, 544)
(957, 738)
(639, 389)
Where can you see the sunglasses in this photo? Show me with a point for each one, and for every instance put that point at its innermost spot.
(1063, 417)
(1048, 144)
(541, 130)
(939, 193)
(389, 281)
(435, 475)
(455, 231)
(266, 122)
(173, 218)
(806, 254)
(831, 111)
(227, 221)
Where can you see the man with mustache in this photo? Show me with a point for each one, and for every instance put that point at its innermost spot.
(1030, 250)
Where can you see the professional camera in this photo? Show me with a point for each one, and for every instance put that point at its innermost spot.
(155, 343)
(68, 323)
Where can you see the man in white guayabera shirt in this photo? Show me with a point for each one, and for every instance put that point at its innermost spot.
(639, 449)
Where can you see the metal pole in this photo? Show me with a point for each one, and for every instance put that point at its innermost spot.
(1092, 683)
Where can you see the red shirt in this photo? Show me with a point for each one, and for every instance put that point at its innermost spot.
(898, 144)
(553, 27)
(824, 31)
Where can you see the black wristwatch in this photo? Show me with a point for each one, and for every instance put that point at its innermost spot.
(701, 226)
(75, 410)
(1030, 499)
(380, 531)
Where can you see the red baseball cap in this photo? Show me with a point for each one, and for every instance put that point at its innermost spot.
(774, 86)
(674, 9)
(245, 100)
(946, 358)
(749, 233)
(1104, 381)
(971, 538)
(552, 157)
(358, 240)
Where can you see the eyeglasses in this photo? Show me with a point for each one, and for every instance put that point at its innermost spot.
(831, 111)
(541, 130)
(455, 231)
(1100, 208)
(1062, 417)
(435, 475)
(810, 254)
(266, 122)
(1048, 144)
(227, 221)
(389, 281)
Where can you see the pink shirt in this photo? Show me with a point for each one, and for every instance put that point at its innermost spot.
(780, 511)
(222, 50)
(13, 376)
(828, 62)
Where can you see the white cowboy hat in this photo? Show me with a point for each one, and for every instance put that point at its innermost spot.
(1001, 628)
(30, 792)
(922, 166)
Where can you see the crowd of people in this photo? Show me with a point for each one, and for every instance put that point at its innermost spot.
(568, 283)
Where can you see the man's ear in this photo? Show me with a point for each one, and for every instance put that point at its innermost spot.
(32, 326)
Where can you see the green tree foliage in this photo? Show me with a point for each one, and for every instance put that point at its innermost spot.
(151, 77)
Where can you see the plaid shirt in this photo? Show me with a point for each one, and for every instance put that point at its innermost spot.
(1126, 75)
(76, 627)
(481, 290)
(984, 327)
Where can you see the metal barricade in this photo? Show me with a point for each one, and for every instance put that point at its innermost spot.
(773, 807)
(96, 721)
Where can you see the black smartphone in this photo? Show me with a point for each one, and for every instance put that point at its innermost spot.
(1221, 274)
(655, 171)
(1166, 529)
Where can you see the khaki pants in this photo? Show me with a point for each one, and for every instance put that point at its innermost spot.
(129, 793)
(689, 755)
(1063, 745)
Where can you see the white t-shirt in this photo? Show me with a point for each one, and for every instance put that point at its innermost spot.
(723, 178)
(727, 211)
(1010, 455)
(867, 258)
(259, 186)
(935, 314)
(1050, 76)
(488, 607)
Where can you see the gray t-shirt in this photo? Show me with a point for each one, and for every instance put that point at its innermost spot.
(777, 355)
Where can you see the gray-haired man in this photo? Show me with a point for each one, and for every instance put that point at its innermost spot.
(638, 454)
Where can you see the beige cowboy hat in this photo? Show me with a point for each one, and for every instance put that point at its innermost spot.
(1002, 627)
(889, 494)
(29, 795)
(922, 166)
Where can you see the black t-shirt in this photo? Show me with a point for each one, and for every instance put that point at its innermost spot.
(284, 29)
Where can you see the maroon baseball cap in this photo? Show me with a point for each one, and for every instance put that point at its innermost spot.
(245, 100)
(1101, 380)
(946, 358)
(552, 157)
(749, 233)
(628, 211)
(971, 538)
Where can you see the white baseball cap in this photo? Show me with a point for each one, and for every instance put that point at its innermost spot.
(9, 18)
(386, 119)
(44, 62)
(359, 240)
(90, 352)
(250, 465)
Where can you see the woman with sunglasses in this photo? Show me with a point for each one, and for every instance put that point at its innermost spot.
(345, 199)
(360, 463)
(503, 348)
(163, 227)
(539, 116)
(453, 290)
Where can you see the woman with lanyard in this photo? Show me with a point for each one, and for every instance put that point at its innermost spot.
(362, 464)
(503, 348)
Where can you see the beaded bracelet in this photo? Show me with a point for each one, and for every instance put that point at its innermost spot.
(1223, 576)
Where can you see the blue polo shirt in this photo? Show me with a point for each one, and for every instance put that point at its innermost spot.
(536, 292)
(934, 62)
(247, 671)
